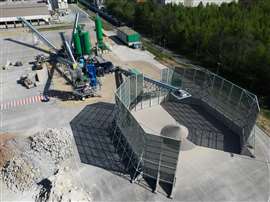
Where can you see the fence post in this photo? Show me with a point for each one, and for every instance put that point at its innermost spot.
(230, 93)
(159, 165)
(240, 99)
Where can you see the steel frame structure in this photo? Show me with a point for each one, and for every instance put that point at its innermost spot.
(144, 155)
(236, 107)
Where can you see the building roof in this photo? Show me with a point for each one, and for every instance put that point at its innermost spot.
(127, 30)
(23, 9)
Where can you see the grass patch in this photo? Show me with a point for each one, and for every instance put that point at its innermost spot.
(60, 27)
(155, 51)
(263, 120)
(163, 57)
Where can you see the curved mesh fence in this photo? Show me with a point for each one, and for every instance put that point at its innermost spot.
(234, 106)
(146, 155)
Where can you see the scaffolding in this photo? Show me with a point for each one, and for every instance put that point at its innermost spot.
(144, 155)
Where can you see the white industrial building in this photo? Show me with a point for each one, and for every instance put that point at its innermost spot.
(58, 6)
(194, 3)
(37, 13)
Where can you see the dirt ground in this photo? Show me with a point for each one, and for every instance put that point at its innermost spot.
(106, 93)
(5, 153)
(264, 123)
(143, 66)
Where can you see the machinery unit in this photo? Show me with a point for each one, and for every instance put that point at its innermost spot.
(91, 70)
(76, 56)
(78, 77)
(129, 37)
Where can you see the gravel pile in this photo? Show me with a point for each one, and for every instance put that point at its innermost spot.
(36, 158)
(19, 174)
(52, 142)
(62, 187)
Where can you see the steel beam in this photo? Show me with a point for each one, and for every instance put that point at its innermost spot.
(43, 38)
(70, 52)
(74, 28)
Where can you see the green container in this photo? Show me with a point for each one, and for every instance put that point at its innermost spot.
(77, 44)
(85, 42)
(133, 38)
(99, 30)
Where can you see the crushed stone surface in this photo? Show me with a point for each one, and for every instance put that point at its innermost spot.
(36, 166)
(19, 174)
(61, 187)
(52, 142)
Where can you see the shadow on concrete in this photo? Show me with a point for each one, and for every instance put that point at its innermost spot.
(116, 40)
(204, 129)
(92, 130)
(61, 95)
(28, 45)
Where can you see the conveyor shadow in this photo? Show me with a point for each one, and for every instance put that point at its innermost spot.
(28, 45)
(116, 40)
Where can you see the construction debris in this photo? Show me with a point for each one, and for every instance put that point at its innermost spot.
(36, 162)
(26, 81)
(61, 187)
(18, 64)
(19, 174)
(52, 142)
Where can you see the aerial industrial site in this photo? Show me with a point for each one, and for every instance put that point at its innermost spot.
(88, 114)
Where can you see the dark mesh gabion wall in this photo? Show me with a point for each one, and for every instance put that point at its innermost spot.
(146, 155)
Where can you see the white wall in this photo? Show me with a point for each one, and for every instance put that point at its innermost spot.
(195, 3)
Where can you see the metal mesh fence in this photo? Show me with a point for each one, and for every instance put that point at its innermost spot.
(234, 106)
(144, 154)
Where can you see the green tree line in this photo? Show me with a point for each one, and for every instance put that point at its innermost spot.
(234, 38)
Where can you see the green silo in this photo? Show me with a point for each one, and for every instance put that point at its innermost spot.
(99, 31)
(86, 43)
(77, 44)
(82, 42)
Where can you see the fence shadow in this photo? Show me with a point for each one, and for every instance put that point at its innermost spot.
(92, 130)
(204, 129)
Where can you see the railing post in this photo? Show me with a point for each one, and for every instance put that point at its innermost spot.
(240, 99)
(159, 165)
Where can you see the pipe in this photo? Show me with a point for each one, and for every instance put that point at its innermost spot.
(74, 28)
(70, 52)
(43, 38)
(159, 83)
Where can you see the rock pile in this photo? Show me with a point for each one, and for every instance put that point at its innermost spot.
(19, 174)
(52, 142)
(62, 187)
(37, 158)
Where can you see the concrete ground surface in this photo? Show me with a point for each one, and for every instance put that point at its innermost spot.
(204, 174)
(204, 129)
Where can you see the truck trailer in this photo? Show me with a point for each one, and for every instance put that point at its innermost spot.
(129, 37)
